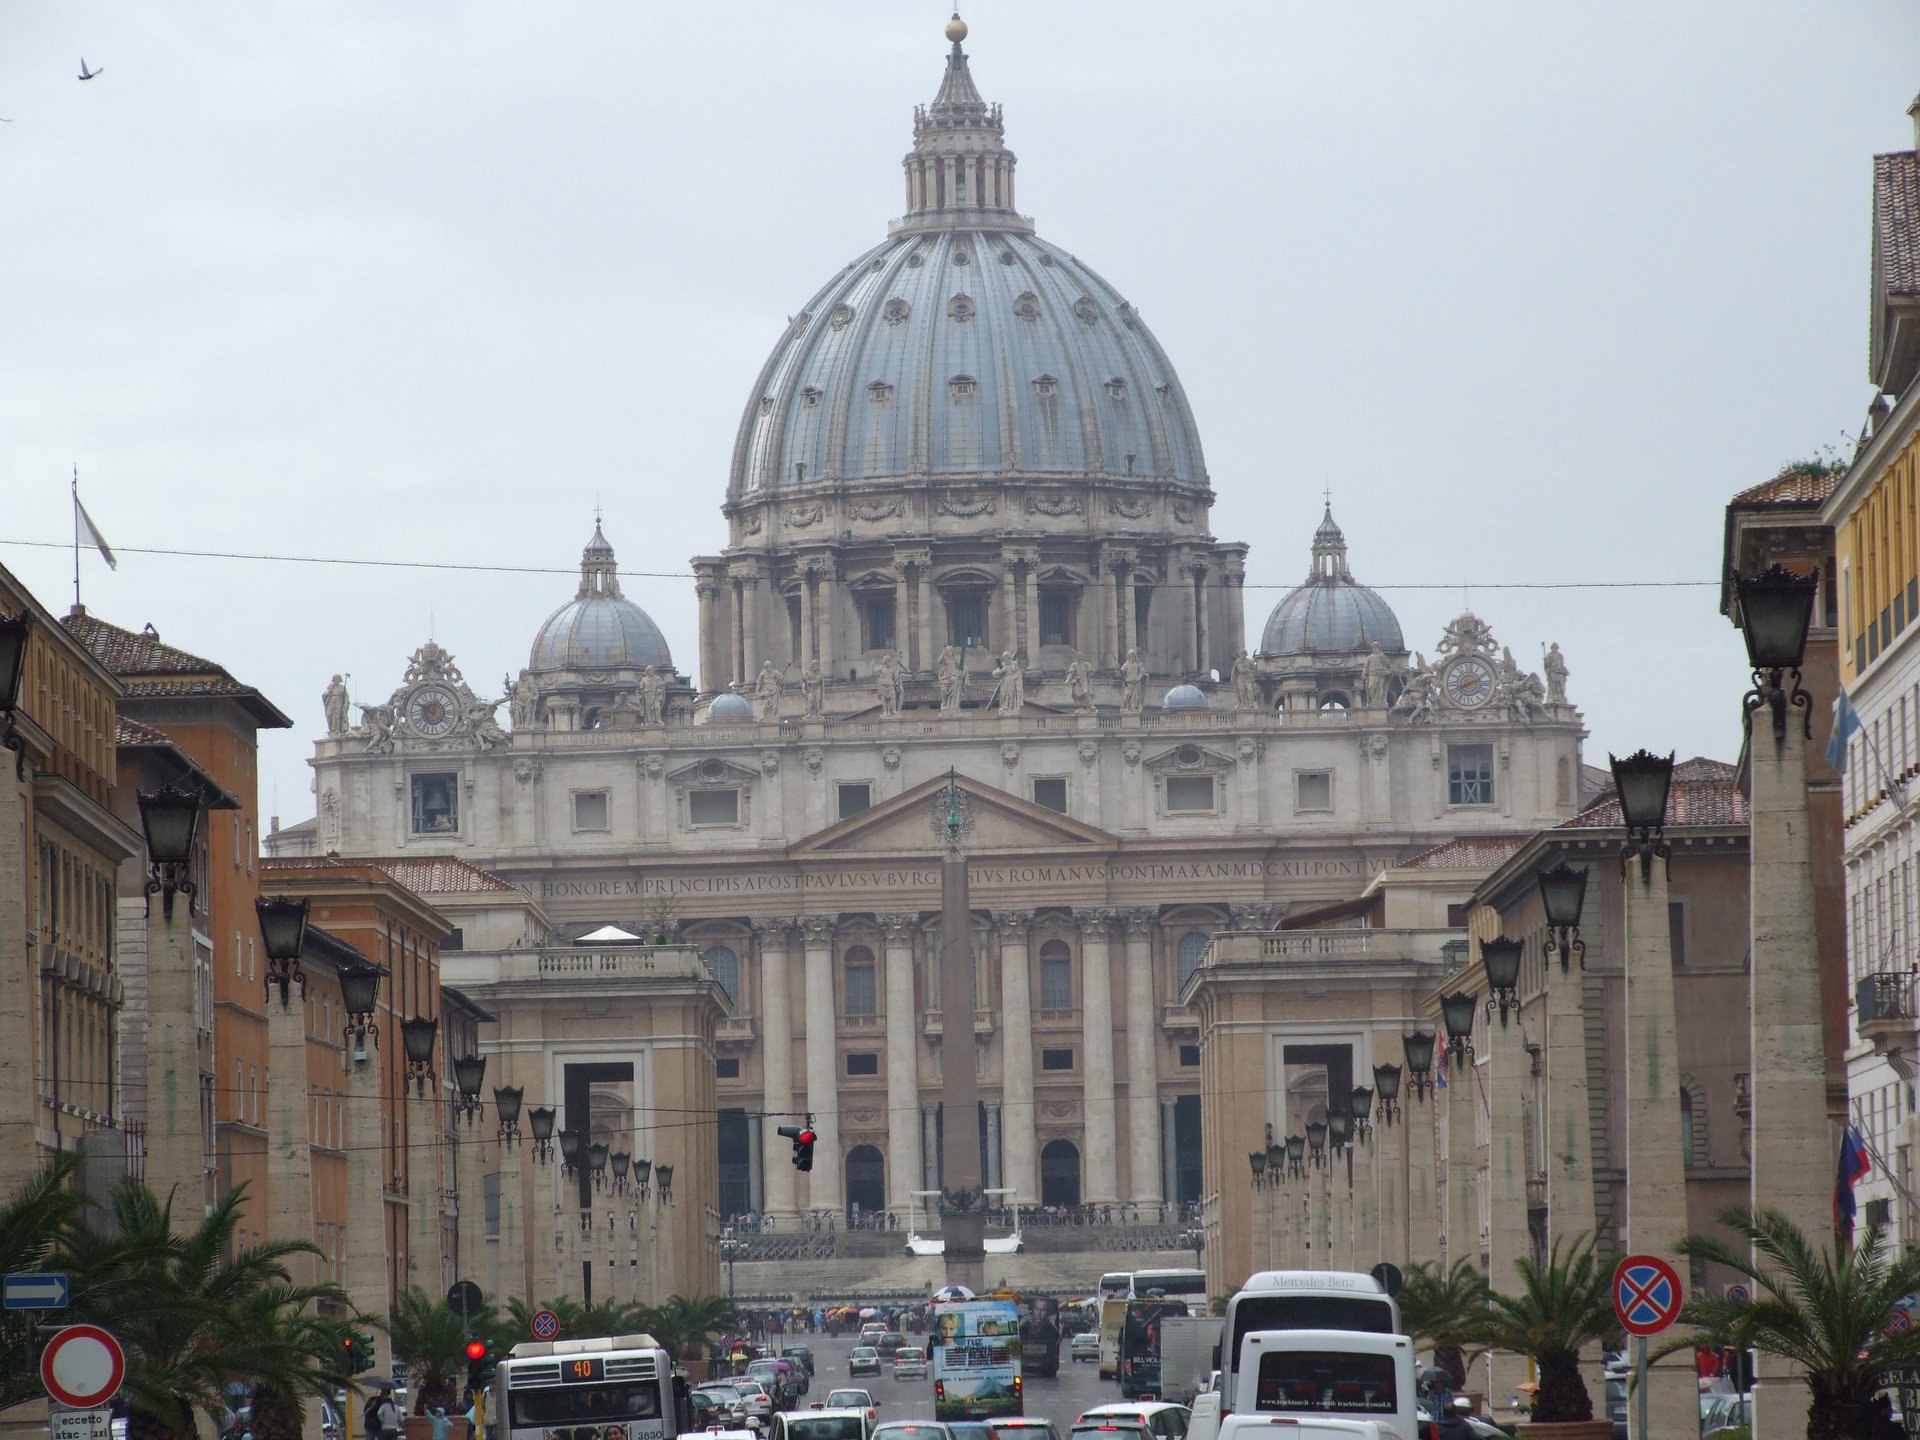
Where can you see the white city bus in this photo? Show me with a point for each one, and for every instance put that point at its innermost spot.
(1301, 1300)
(619, 1387)
(1187, 1285)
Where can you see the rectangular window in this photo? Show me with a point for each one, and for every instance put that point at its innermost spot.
(862, 999)
(967, 618)
(1056, 617)
(1190, 1056)
(863, 1063)
(456, 941)
(1470, 775)
(436, 804)
(1142, 603)
(590, 810)
(1313, 790)
(726, 1069)
(854, 799)
(1050, 791)
(1677, 931)
(713, 807)
(1456, 917)
(1056, 1059)
(876, 619)
(1190, 794)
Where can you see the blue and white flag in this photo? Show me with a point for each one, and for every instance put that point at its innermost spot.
(1846, 724)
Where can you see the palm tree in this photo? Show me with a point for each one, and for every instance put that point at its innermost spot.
(1445, 1309)
(432, 1339)
(33, 1222)
(685, 1322)
(1563, 1307)
(1824, 1310)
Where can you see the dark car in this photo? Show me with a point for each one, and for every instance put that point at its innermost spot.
(799, 1355)
(1617, 1405)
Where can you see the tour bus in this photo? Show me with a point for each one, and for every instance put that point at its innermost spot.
(1116, 1285)
(1187, 1285)
(619, 1387)
(975, 1347)
(1140, 1346)
(1302, 1300)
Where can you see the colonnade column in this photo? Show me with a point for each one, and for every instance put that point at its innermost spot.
(992, 1179)
(903, 1053)
(369, 1257)
(930, 1147)
(776, 1048)
(1016, 1053)
(1143, 1053)
(1169, 1161)
(1508, 1237)
(823, 1081)
(1463, 1210)
(1096, 985)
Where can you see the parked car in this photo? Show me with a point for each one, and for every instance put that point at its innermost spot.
(1085, 1346)
(865, 1360)
(909, 1364)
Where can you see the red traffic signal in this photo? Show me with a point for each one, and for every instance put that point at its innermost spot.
(476, 1349)
(807, 1137)
(802, 1138)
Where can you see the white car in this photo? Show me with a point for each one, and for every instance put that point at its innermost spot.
(909, 1364)
(1156, 1417)
(1085, 1346)
(758, 1402)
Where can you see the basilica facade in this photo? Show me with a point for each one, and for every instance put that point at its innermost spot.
(967, 535)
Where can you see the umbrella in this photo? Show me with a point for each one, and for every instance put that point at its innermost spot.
(953, 1292)
(868, 1312)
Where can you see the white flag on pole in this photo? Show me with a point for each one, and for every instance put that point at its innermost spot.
(85, 528)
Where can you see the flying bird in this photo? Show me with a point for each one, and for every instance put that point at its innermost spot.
(86, 74)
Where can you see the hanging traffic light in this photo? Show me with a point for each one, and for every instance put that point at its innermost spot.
(802, 1137)
(481, 1363)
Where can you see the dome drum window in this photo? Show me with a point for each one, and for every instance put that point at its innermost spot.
(960, 386)
(810, 398)
(879, 392)
(1045, 386)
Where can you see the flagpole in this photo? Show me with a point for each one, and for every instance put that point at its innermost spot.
(76, 537)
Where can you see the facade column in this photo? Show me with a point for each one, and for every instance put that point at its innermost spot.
(916, 564)
(1235, 577)
(1422, 1117)
(176, 1154)
(775, 935)
(824, 614)
(1099, 1171)
(1009, 637)
(1016, 1053)
(903, 1060)
(1169, 1157)
(930, 1149)
(749, 630)
(1107, 636)
(1203, 639)
(738, 632)
(369, 1283)
(1143, 1055)
(1656, 1177)
(1390, 1201)
(823, 1081)
(1508, 1237)
(1792, 1150)
(992, 1177)
(1186, 645)
(706, 590)
(1030, 606)
(1123, 591)
(809, 648)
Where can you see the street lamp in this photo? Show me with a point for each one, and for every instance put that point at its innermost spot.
(1642, 781)
(1456, 1010)
(418, 1035)
(1339, 1129)
(170, 816)
(622, 1161)
(540, 1117)
(1419, 1055)
(1776, 607)
(1317, 1142)
(13, 666)
(663, 1183)
(642, 1177)
(597, 1163)
(506, 1104)
(1563, 894)
(1386, 1081)
(1296, 1150)
(469, 1073)
(1501, 957)
(1276, 1162)
(1362, 1114)
(360, 998)
(1258, 1161)
(569, 1151)
(283, 930)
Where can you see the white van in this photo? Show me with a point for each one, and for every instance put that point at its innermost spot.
(1325, 1375)
(1262, 1427)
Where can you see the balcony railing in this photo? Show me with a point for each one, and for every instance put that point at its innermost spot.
(1178, 1017)
(1257, 947)
(1883, 1005)
(931, 1025)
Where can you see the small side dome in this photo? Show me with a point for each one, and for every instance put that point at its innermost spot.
(1332, 612)
(729, 707)
(1185, 697)
(599, 629)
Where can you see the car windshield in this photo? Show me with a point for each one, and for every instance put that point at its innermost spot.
(970, 1430)
(825, 1427)
(854, 1398)
(567, 1405)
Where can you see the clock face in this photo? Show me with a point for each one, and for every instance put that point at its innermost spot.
(432, 711)
(1469, 682)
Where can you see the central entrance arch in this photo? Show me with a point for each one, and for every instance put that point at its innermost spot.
(1060, 1173)
(866, 1180)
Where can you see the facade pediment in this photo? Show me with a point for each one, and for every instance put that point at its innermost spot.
(995, 820)
(1196, 759)
(713, 771)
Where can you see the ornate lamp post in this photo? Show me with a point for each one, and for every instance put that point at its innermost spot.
(622, 1162)
(469, 1074)
(418, 1036)
(1386, 1083)
(540, 1118)
(1501, 959)
(1563, 894)
(283, 930)
(1776, 607)
(170, 816)
(1642, 781)
(1258, 1160)
(1362, 1114)
(1419, 1056)
(642, 1177)
(1296, 1153)
(597, 1164)
(1317, 1143)
(569, 1152)
(663, 1183)
(506, 1104)
(360, 998)
(1457, 1008)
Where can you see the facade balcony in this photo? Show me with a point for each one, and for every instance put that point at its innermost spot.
(931, 1025)
(1313, 947)
(1055, 1021)
(1884, 1009)
(1178, 1020)
(738, 1030)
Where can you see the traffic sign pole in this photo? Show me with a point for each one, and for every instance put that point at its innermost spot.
(1640, 1383)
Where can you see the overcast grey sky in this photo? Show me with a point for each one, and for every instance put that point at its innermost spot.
(1533, 287)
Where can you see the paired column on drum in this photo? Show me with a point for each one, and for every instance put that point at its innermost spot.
(1143, 1100)
(776, 935)
(1096, 984)
(1016, 1053)
(903, 1076)
(823, 1095)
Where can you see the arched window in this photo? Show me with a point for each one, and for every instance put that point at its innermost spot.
(724, 966)
(1192, 944)
(1056, 976)
(860, 988)
(1060, 1173)
(866, 1180)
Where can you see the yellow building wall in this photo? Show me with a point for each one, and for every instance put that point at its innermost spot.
(1877, 547)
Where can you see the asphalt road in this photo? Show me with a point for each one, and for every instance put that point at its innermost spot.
(1062, 1400)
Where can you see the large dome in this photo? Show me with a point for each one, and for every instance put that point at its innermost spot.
(1332, 612)
(599, 629)
(964, 345)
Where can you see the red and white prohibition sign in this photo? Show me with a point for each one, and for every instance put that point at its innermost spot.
(82, 1366)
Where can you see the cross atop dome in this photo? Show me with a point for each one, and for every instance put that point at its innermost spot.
(1329, 550)
(959, 166)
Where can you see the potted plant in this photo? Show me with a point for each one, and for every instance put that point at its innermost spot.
(1561, 1308)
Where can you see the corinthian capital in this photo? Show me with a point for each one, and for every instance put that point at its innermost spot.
(772, 928)
(898, 927)
(1139, 923)
(818, 929)
(1013, 925)
(1094, 921)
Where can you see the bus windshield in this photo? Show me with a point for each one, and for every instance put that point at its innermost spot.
(1174, 1284)
(1337, 1382)
(1253, 1311)
(583, 1404)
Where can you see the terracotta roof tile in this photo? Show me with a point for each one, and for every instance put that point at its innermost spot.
(1791, 486)
(149, 667)
(1470, 852)
(1896, 221)
(132, 732)
(1705, 792)
(443, 877)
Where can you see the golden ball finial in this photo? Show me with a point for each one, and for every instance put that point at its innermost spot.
(956, 28)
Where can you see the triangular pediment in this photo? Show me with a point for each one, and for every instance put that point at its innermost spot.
(1001, 822)
(1197, 759)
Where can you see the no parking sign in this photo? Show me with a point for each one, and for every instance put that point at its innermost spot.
(1647, 1294)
